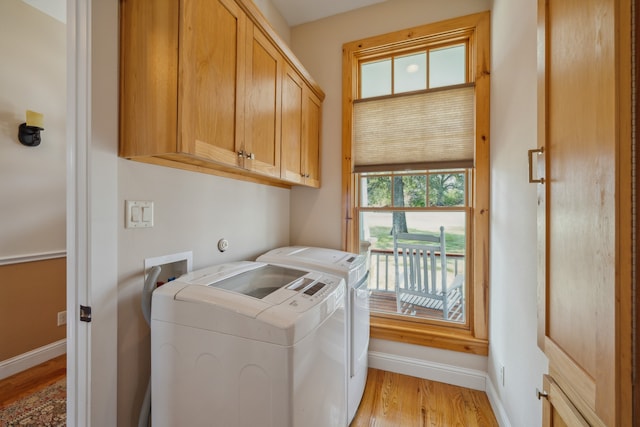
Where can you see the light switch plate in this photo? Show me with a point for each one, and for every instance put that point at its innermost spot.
(138, 214)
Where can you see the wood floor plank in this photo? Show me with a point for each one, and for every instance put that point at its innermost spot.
(389, 395)
(410, 400)
(393, 400)
(28, 382)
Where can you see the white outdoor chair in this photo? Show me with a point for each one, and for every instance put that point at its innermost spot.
(417, 257)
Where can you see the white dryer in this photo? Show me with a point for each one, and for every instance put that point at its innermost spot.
(249, 344)
(354, 269)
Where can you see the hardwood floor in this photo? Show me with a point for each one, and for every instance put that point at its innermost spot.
(395, 400)
(32, 380)
(390, 399)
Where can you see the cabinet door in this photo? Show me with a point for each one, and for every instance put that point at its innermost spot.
(292, 89)
(148, 77)
(311, 122)
(211, 78)
(261, 146)
(301, 112)
(579, 205)
(557, 408)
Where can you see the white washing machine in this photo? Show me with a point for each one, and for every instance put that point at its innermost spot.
(354, 269)
(249, 344)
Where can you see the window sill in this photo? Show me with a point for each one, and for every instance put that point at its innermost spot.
(427, 335)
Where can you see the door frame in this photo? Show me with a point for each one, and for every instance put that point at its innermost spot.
(636, 247)
(92, 181)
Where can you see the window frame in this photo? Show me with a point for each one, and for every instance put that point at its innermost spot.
(421, 48)
(472, 336)
(418, 172)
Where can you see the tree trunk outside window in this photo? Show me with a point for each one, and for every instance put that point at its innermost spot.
(399, 218)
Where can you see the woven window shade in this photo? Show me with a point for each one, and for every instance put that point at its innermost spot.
(427, 130)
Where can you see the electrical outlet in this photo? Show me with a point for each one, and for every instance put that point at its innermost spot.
(62, 318)
(501, 375)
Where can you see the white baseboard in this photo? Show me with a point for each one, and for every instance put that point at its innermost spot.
(22, 362)
(455, 375)
(496, 405)
(449, 374)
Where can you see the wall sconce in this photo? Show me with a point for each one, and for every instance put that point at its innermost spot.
(29, 132)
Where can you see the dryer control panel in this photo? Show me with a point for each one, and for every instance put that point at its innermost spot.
(313, 292)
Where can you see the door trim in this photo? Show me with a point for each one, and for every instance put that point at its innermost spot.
(78, 397)
(92, 214)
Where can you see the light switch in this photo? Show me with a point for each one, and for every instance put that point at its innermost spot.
(135, 213)
(138, 214)
(147, 214)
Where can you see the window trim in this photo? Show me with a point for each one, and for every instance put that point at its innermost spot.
(473, 336)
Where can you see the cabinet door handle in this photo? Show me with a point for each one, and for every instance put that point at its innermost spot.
(246, 155)
(530, 154)
(541, 394)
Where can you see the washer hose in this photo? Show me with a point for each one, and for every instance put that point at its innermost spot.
(150, 284)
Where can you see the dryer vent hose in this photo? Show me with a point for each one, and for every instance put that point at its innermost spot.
(150, 284)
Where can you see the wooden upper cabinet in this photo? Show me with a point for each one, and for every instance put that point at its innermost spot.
(211, 80)
(261, 148)
(292, 88)
(311, 124)
(148, 77)
(201, 89)
(301, 113)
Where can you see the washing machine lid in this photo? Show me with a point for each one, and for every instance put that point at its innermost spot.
(350, 266)
(245, 287)
(262, 281)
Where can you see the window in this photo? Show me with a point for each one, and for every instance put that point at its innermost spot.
(401, 73)
(416, 161)
(415, 202)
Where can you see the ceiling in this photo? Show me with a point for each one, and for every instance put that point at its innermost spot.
(54, 8)
(297, 12)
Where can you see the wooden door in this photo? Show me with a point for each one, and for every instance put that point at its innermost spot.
(263, 80)
(311, 125)
(211, 79)
(292, 88)
(583, 216)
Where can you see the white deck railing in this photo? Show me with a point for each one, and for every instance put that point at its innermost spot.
(382, 269)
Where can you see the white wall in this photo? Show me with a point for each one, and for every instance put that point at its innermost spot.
(513, 131)
(513, 316)
(276, 20)
(54, 8)
(193, 211)
(316, 216)
(457, 368)
(32, 179)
